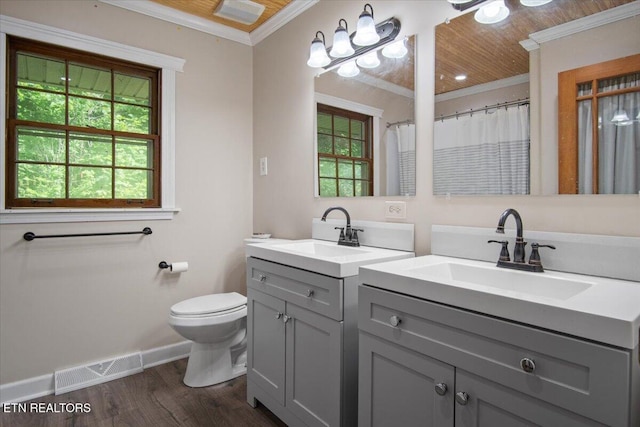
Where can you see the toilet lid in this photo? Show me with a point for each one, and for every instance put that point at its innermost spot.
(209, 304)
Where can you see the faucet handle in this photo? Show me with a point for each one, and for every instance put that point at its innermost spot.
(341, 232)
(504, 252)
(354, 235)
(534, 258)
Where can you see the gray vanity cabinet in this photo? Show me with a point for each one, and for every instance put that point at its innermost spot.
(398, 386)
(296, 365)
(496, 372)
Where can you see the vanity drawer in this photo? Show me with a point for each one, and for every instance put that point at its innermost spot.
(580, 376)
(315, 292)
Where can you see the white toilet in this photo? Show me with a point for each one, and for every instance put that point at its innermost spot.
(217, 326)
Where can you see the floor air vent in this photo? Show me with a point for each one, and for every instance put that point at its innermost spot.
(96, 373)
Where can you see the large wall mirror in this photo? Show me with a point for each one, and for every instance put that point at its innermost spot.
(365, 131)
(496, 121)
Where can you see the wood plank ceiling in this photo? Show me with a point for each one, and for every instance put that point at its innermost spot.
(205, 8)
(492, 52)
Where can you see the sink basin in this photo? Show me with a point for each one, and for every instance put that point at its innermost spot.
(322, 249)
(324, 257)
(595, 308)
(535, 284)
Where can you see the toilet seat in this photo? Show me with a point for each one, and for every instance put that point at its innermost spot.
(208, 305)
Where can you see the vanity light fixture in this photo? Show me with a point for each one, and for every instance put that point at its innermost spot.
(621, 118)
(341, 43)
(463, 5)
(318, 52)
(386, 32)
(366, 34)
(369, 60)
(492, 13)
(349, 69)
(534, 3)
(396, 49)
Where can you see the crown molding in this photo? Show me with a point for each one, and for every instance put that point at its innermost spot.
(156, 10)
(582, 24)
(273, 24)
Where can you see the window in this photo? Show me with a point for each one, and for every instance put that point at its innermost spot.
(82, 130)
(345, 158)
(599, 128)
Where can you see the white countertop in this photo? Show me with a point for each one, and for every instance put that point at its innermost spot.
(322, 256)
(595, 308)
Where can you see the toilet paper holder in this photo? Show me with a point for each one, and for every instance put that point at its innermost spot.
(175, 267)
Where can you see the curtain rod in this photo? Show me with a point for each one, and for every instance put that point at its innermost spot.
(403, 122)
(518, 102)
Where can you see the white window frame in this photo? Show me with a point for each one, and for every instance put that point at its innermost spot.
(169, 65)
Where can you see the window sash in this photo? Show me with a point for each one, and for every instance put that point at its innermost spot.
(345, 184)
(115, 68)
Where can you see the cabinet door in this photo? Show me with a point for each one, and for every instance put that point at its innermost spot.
(314, 354)
(266, 343)
(489, 404)
(397, 387)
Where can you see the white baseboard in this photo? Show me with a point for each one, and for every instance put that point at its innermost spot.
(32, 388)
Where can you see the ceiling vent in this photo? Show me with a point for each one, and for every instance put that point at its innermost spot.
(244, 11)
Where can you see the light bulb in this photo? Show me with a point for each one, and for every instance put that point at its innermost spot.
(341, 43)
(318, 53)
(492, 13)
(534, 3)
(350, 69)
(366, 33)
(369, 60)
(395, 49)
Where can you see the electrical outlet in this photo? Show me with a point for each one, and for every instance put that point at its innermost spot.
(395, 210)
(263, 166)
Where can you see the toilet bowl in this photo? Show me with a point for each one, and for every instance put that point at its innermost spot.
(217, 326)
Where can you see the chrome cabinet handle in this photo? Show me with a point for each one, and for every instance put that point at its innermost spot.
(262, 278)
(310, 293)
(395, 321)
(278, 315)
(441, 389)
(527, 365)
(462, 398)
(286, 318)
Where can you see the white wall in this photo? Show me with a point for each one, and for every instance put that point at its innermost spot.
(65, 302)
(283, 132)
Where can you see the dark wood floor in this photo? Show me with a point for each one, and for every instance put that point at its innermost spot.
(156, 397)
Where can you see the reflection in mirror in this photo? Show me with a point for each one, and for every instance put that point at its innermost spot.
(365, 131)
(481, 123)
(604, 159)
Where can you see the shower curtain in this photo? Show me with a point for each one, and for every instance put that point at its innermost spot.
(618, 141)
(482, 153)
(401, 160)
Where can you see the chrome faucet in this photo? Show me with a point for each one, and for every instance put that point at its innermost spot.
(518, 263)
(348, 237)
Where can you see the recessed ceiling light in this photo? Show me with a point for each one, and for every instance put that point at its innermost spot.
(461, 77)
